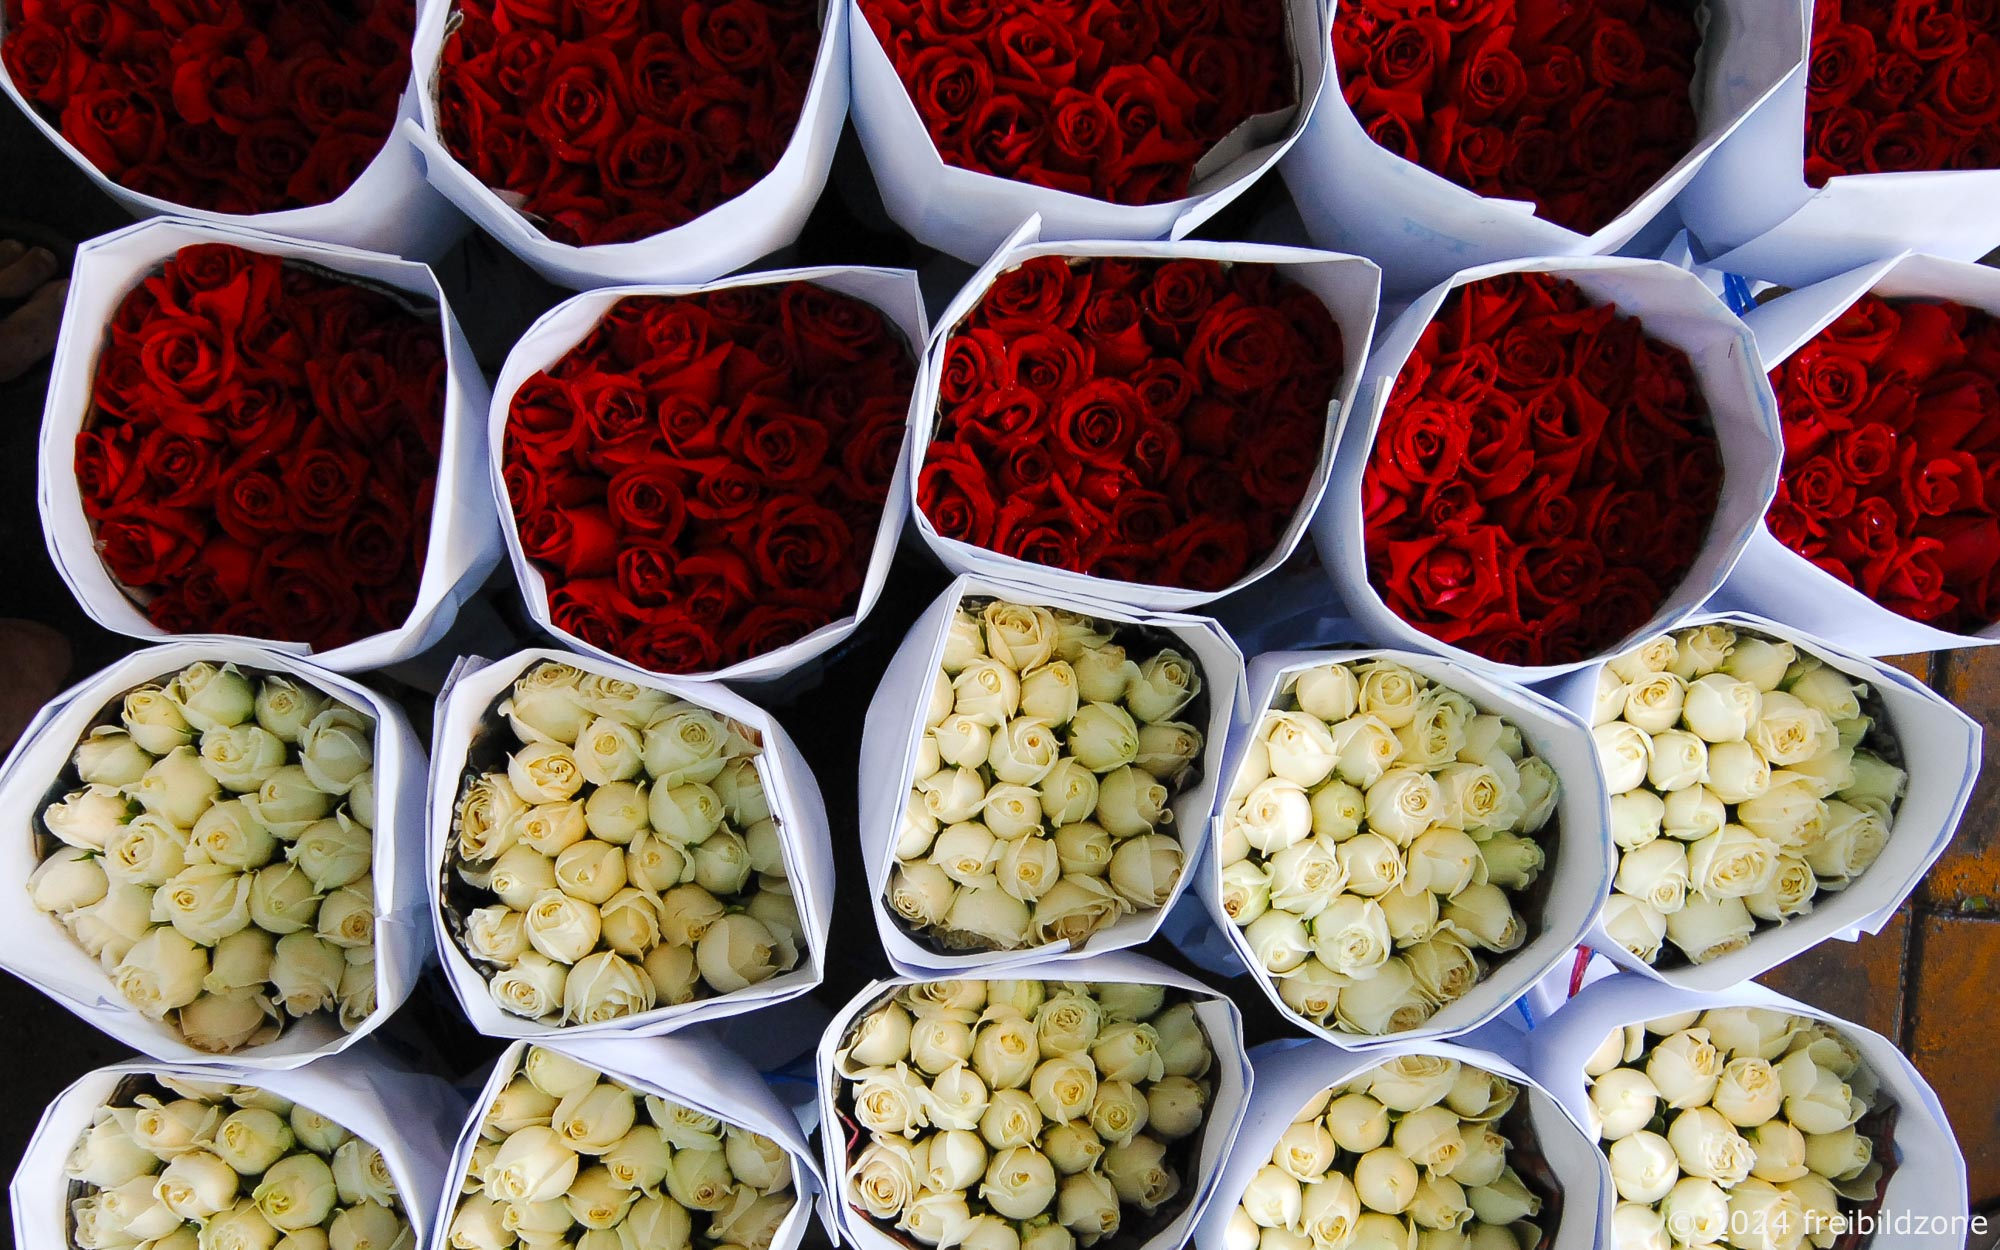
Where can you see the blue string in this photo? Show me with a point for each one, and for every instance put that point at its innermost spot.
(800, 1071)
(1736, 293)
(1521, 1005)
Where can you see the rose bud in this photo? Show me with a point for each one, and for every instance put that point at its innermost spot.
(1442, 862)
(1816, 1100)
(1626, 752)
(721, 863)
(921, 893)
(990, 914)
(986, 691)
(1436, 734)
(1505, 1201)
(937, 1219)
(1274, 815)
(1358, 1122)
(1304, 1151)
(738, 951)
(1388, 1002)
(1644, 1167)
(591, 1119)
(1330, 1210)
(1708, 1145)
(121, 1214)
(1051, 693)
(1482, 1155)
(953, 794)
(154, 721)
(106, 1156)
(347, 916)
(1328, 692)
(1068, 793)
(1365, 747)
(1246, 891)
(161, 971)
(1608, 699)
(361, 1174)
(1104, 673)
(1634, 924)
(1624, 1101)
(938, 1042)
(882, 1179)
(1301, 748)
(241, 757)
(177, 787)
(196, 1184)
(1476, 796)
(1278, 941)
(1409, 1083)
(91, 818)
(1005, 1052)
(518, 1105)
(109, 757)
(1372, 863)
(1010, 1119)
(964, 642)
(1130, 802)
(1386, 1181)
(755, 1159)
(1020, 1182)
(1653, 703)
(1074, 908)
(1018, 635)
(1485, 917)
(333, 853)
(1440, 1204)
(297, 1192)
(70, 879)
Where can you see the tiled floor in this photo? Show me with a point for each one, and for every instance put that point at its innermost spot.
(1929, 978)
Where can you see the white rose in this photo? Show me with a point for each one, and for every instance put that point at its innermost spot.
(1103, 671)
(1787, 731)
(1721, 708)
(1694, 812)
(1788, 813)
(228, 834)
(921, 893)
(672, 970)
(1816, 1099)
(1305, 876)
(1790, 893)
(1623, 1100)
(241, 757)
(333, 853)
(686, 814)
(739, 951)
(1301, 749)
(1772, 1218)
(1695, 1212)
(1372, 864)
(987, 691)
(1365, 747)
(652, 863)
(1144, 869)
(306, 973)
(937, 1219)
(1084, 849)
(1274, 815)
(531, 987)
(1709, 1146)
(951, 795)
(1644, 1167)
(1441, 862)
(162, 970)
(1654, 702)
(883, 1178)
(1351, 937)
(1273, 1198)
(1404, 802)
(486, 817)
(1069, 792)
(720, 864)
(89, 818)
(109, 757)
(1020, 1182)
(361, 1174)
(520, 875)
(1019, 635)
(69, 879)
(1074, 908)
(1067, 1023)
(1388, 1002)
(1680, 760)
(297, 1192)
(283, 899)
(1626, 752)
(1486, 917)
(1846, 843)
(1656, 872)
(1011, 1118)
(338, 746)
(1732, 864)
(1338, 810)
(1329, 692)
(1511, 862)
(967, 853)
(1877, 782)
(1444, 967)
(629, 922)
(1607, 697)
(1130, 801)
(1634, 924)
(533, 1165)
(154, 721)
(1838, 1156)
(1278, 941)
(177, 788)
(207, 902)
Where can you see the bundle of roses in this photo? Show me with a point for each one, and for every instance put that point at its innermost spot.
(1426, 1145)
(1402, 846)
(1520, 130)
(1908, 89)
(1374, 839)
(1044, 780)
(1744, 1118)
(607, 144)
(161, 1157)
(210, 839)
(619, 856)
(1133, 125)
(1030, 1114)
(242, 109)
(1052, 768)
(1151, 426)
(1886, 383)
(1561, 456)
(1746, 777)
(698, 477)
(565, 1152)
(265, 438)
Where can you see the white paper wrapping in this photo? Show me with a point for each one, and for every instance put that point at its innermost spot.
(1929, 1179)
(893, 292)
(968, 214)
(692, 1070)
(1753, 214)
(408, 1117)
(464, 542)
(1579, 865)
(1675, 308)
(1231, 1076)
(1356, 196)
(1349, 287)
(1292, 1072)
(895, 726)
(759, 221)
(35, 947)
(1940, 752)
(788, 783)
(1777, 582)
(389, 208)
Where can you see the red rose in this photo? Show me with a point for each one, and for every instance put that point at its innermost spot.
(832, 331)
(783, 446)
(322, 487)
(1098, 421)
(589, 610)
(583, 101)
(797, 542)
(647, 499)
(950, 81)
(958, 497)
(650, 161)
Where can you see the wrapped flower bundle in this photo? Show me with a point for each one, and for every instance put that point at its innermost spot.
(605, 125)
(1023, 1115)
(178, 1164)
(1377, 836)
(1747, 1126)
(262, 447)
(1900, 90)
(700, 479)
(1125, 108)
(1575, 111)
(567, 1155)
(1746, 777)
(211, 844)
(244, 106)
(1892, 437)
(1421, 1146)
(1151, 420)
(613, 850)
(1544, 476)
(1054, 744)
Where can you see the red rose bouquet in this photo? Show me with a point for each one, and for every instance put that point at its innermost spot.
(700, 479)
(1543, 477)
(1577, 109)
(1901, 87)
(613, 120)
(1158, 420)
(227, 106)
(1116, 102)
(261, 447)
(1891, 480)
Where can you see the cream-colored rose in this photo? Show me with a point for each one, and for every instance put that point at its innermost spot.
(1019, 635)
(1644, 1167)
(1838, 1156)
(1634, 924)
(1372, 864)
(1829, 772)
(1068, 793)
(109, 757)
(533, 1164)
(176, 788)
(1788, 813)
(1404, 802)
(629, 922)
(297, 1192)
(1816, 1099)
(921, 893)
(154, 721)
(1656, 872)
(1847, 842)
(1144, 869)
(1694, 812)
(590, 1120)
(1050, 693)
(1626, 752)
(1654, 702)
(361, 1174)
(162, 970)
(1436, 733)
(209, 697)
(935, 1219)
(495, 934)
(241, 757)
(1338, 810)
(672, 969)
(1074, 908)
(987, 691)
(990, 916)
(1351, 936)
(91, 818)
(1274, 815)
(1709, 1146)
(207, 902)
(553, 828)
(1655, 655)
(606, 986)
(685, 814)
(486, 817)
(1068, 1023)
(1790, 893)
(561, 927)
(1020, 1182)
(1246, 891)
(1011, 1118)
(1607, 698)
(1441, 861)
(1788, 731)
(1760, 661)
(1721, 708)
(1084, 849)
(1300, 748)
(1780, 1150)
(738, 951)
(883, 1178)
(334, 852)
(1770, 1218)
(720, 863)
(306, 973)
(1388, 1002)
(1166, 683)
(1444, 967)
(1279, 941)
(1103, 737)
(1876, 781)
(532, 986)
(1510, 861)
(1365, 747)
(951, 795)
(1131, 802)
(1485, 916)
(1679, 760)
(1329, 692)
(70, 879)
(1623, 1101)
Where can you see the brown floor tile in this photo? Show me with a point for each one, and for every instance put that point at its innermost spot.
(1920, 665)
(1970, 868)
(1955, 969)
(1859, 981)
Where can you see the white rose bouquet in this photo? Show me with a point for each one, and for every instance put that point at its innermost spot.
(1053, 747)
(1747, 777)
(568, 1156)
(1378, 832)
(1744, 1126)
(1030, 1114)
(210, 842)
(178, 1164)
(1419, 1148)
(613, 848)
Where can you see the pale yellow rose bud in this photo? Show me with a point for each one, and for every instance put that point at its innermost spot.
(333, 853)
(1273, 815)
(286, 707)
(1696, 811)
(1486, 918)
(1074, 908)
(1386, 1181)
(1623, 1101)
(1351, 936)
(882, 1179)
(1372, 863)
(1300, 748)
(161, 971)
(531, 987)
(738, 951)
(1388, 1002)
(1051, 693)
(674, 973)
(241, 757)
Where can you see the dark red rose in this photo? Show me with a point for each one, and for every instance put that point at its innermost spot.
(958, 497)
(950, 81)
(151, 545)
(831, 330)
(1242, 348)
(1843, 62)
(646, 499)
(322, 487)
(583, 103)
(797, 541)
(589, 610)
(1098, 421)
